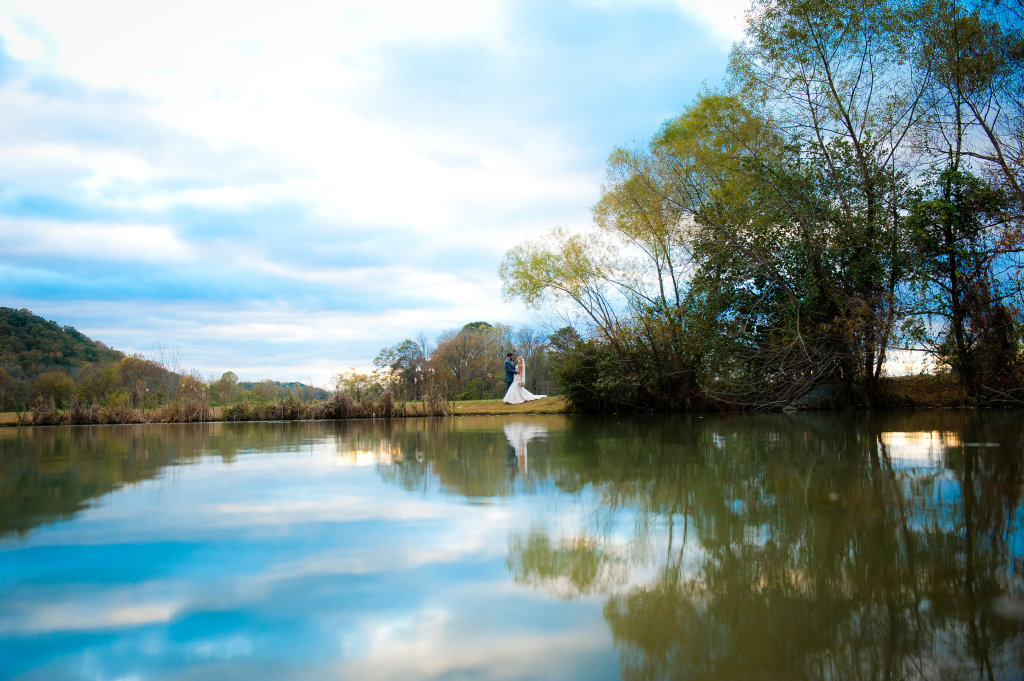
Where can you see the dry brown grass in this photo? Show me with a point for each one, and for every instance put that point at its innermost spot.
(924, 392)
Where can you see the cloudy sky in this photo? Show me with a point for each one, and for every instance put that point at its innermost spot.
(281, 189)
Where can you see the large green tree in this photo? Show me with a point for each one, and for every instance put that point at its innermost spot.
(405, 363)
(967, 211)
(776, 235)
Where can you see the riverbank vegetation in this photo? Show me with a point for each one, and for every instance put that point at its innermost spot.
(52, 375)
(851, 197)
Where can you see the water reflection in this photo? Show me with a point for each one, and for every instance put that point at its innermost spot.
(518, 433)
(784, 549)
(770, 547)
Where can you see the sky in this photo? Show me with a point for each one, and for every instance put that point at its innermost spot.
(281, 189)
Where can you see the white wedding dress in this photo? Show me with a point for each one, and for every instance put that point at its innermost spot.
(517, 392)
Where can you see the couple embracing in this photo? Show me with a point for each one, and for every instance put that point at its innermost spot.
(515, 382)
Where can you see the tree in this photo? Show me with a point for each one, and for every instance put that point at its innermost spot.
(97, 382)
(839, 79)
(361, 388)
(974, 56)
(5, 384)
(968, 209)
(714, 282)
(55, 387)
(572, 272)
(405, 363)
(954, 221)
(225, 390)
(142, 378)
(471, 359)
(266, 390)
(564, 339)
(190, 388)
(861, 165)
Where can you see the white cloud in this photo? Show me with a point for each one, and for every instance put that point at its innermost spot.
(94, 169)
(407, 279)
(289, 81)
(19, 43)
(88, 240)
(121, 43)
(228, 196)
(725, 17)
(229, 148)
(276, 341)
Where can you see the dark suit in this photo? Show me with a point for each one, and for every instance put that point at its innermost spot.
(510, 373)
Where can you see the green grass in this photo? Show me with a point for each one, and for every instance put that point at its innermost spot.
(555, 404)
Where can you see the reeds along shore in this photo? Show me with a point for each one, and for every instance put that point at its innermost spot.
(908, 392)
(193, 410)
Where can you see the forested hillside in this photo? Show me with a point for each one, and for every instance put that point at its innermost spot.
(35, 351)
(34, 345)
(45, 367)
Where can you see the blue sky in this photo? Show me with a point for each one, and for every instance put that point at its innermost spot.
(281, 189)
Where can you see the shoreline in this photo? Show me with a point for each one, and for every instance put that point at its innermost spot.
(904, 393)
(556, 404)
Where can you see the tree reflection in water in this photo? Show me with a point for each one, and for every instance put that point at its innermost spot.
(798, 547)
(728, 547)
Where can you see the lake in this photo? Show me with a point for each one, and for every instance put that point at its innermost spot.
(804, 546)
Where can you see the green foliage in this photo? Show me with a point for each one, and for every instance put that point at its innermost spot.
(359, 387)
(779, 235)
(31, 346)
(6, 383)
(34, 344)
(564, 339)
(955, 220)
(467, 362)
(54, 387)
(225, 390)
(405, 364)
(562, 266)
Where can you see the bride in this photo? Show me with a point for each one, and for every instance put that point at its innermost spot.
(517, 392)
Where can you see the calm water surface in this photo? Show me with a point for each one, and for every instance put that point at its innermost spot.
(723, 547)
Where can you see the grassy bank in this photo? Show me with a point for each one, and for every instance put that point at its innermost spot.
(924, 392)
(275, 411)
(904, 392)
(547, 405)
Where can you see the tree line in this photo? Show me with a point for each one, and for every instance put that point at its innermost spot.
(86, 382)
(851, 194)
(466, 363)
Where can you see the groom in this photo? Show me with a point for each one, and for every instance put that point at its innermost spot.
(510, 370)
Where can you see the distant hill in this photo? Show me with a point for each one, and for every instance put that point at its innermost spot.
(281, 389)
(31, 345)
